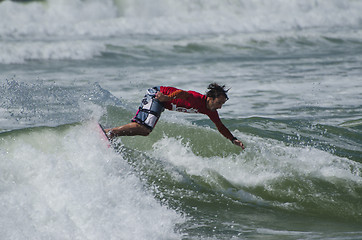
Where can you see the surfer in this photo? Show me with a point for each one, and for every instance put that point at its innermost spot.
(159, 98)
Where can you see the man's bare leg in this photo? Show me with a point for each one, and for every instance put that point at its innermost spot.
(130, 129)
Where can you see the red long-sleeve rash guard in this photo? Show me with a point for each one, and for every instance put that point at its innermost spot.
(195, 103)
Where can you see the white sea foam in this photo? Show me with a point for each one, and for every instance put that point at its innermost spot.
(102, 18)
(75, 29)
(262, 163)
(58, 184)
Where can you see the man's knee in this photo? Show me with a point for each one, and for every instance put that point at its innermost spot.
(143, 130)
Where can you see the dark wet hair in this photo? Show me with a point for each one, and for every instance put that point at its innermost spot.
(215, 90)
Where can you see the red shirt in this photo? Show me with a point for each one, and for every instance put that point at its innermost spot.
(195, 103)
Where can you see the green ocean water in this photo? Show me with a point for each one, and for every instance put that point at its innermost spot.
(293, 69)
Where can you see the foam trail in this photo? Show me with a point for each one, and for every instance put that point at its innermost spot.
(263, 161)
(292, 178)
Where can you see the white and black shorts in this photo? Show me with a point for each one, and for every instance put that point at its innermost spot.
(150, 109)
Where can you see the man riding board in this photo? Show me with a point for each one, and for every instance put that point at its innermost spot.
(159, 98)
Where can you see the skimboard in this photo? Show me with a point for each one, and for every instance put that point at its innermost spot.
(103, 135)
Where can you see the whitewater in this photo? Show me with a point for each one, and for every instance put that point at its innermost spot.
(294, 73)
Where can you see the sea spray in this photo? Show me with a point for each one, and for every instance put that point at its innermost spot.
(50, 104)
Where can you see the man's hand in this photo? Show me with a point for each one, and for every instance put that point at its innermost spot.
(239, 143)
(162, 97)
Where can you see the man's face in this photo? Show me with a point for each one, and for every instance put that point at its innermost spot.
(215, 103)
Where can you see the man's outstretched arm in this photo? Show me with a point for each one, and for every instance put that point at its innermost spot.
(226, 133)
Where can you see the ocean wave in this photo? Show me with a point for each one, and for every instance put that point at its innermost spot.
(108, 18)
(70, 176)
(64, 181)
(269, 173)
(186, 49)
(80, 30)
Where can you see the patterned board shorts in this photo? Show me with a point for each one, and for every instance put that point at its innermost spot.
(150, 109)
